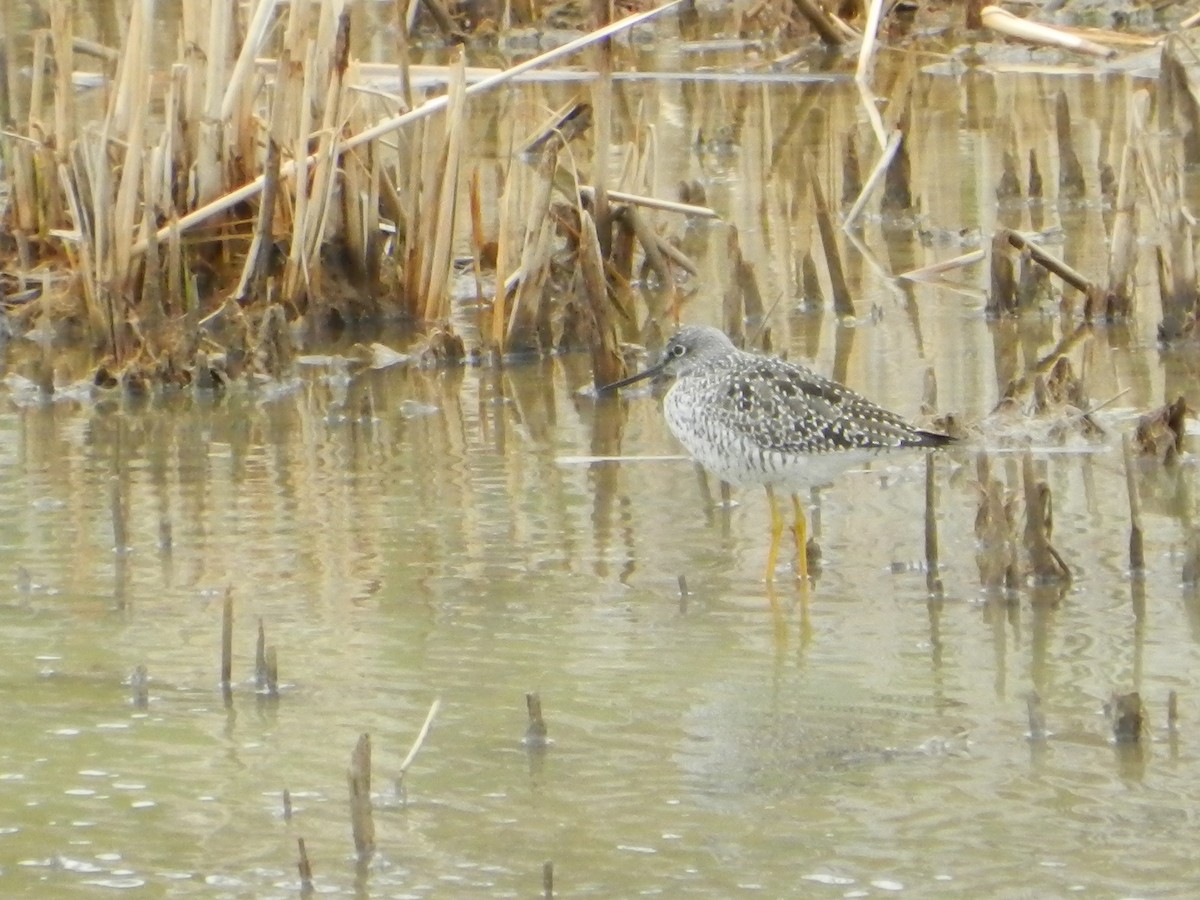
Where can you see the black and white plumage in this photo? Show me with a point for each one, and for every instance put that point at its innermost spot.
(752, 419)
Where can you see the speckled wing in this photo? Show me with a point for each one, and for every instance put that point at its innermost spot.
(790, 409)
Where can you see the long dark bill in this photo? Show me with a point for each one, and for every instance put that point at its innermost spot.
(632, 379)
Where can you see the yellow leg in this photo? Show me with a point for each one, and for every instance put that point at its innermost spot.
(801, 532)
(776, 535)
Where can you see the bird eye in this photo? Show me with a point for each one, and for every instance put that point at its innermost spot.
(677, 351)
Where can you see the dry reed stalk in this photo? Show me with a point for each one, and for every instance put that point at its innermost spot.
(877, 174)
(1006, 23)
(150, 307)
(358, 778)
(127, 122)
(870, 41)
(1123, 255)
(78, 245)
(325, 170)
(548, 880)
(685, 209)
(1176, 101)
(620, 275)
(843, 304)
(18, 152)
(210, 149)
(439, 218)
(607, 364)
(295, 274)
(254, 268)
(435, 104)
(520, 331)
(932, 273)
(602, 107)
(403, 66)
(62, 25)
(241, 76)
(418, 742)
(1054, 265)
(1176, 267)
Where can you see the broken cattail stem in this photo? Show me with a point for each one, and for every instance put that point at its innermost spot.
(1037, 716)
(139, 683)
(358, 776)
(1137, 553)
(1128, 717)
(304, 866)
(548, 879)
(535, 733)
(272, 661)
(260, 657)
(1048, 565)
(227, 638)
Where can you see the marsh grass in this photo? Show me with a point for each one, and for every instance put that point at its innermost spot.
(263, 178)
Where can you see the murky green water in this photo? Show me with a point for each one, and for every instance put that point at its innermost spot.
(407, 535)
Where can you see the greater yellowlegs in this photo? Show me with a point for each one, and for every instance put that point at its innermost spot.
(752, 419)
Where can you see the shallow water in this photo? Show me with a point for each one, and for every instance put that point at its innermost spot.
(457, 545)
(475, 535)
